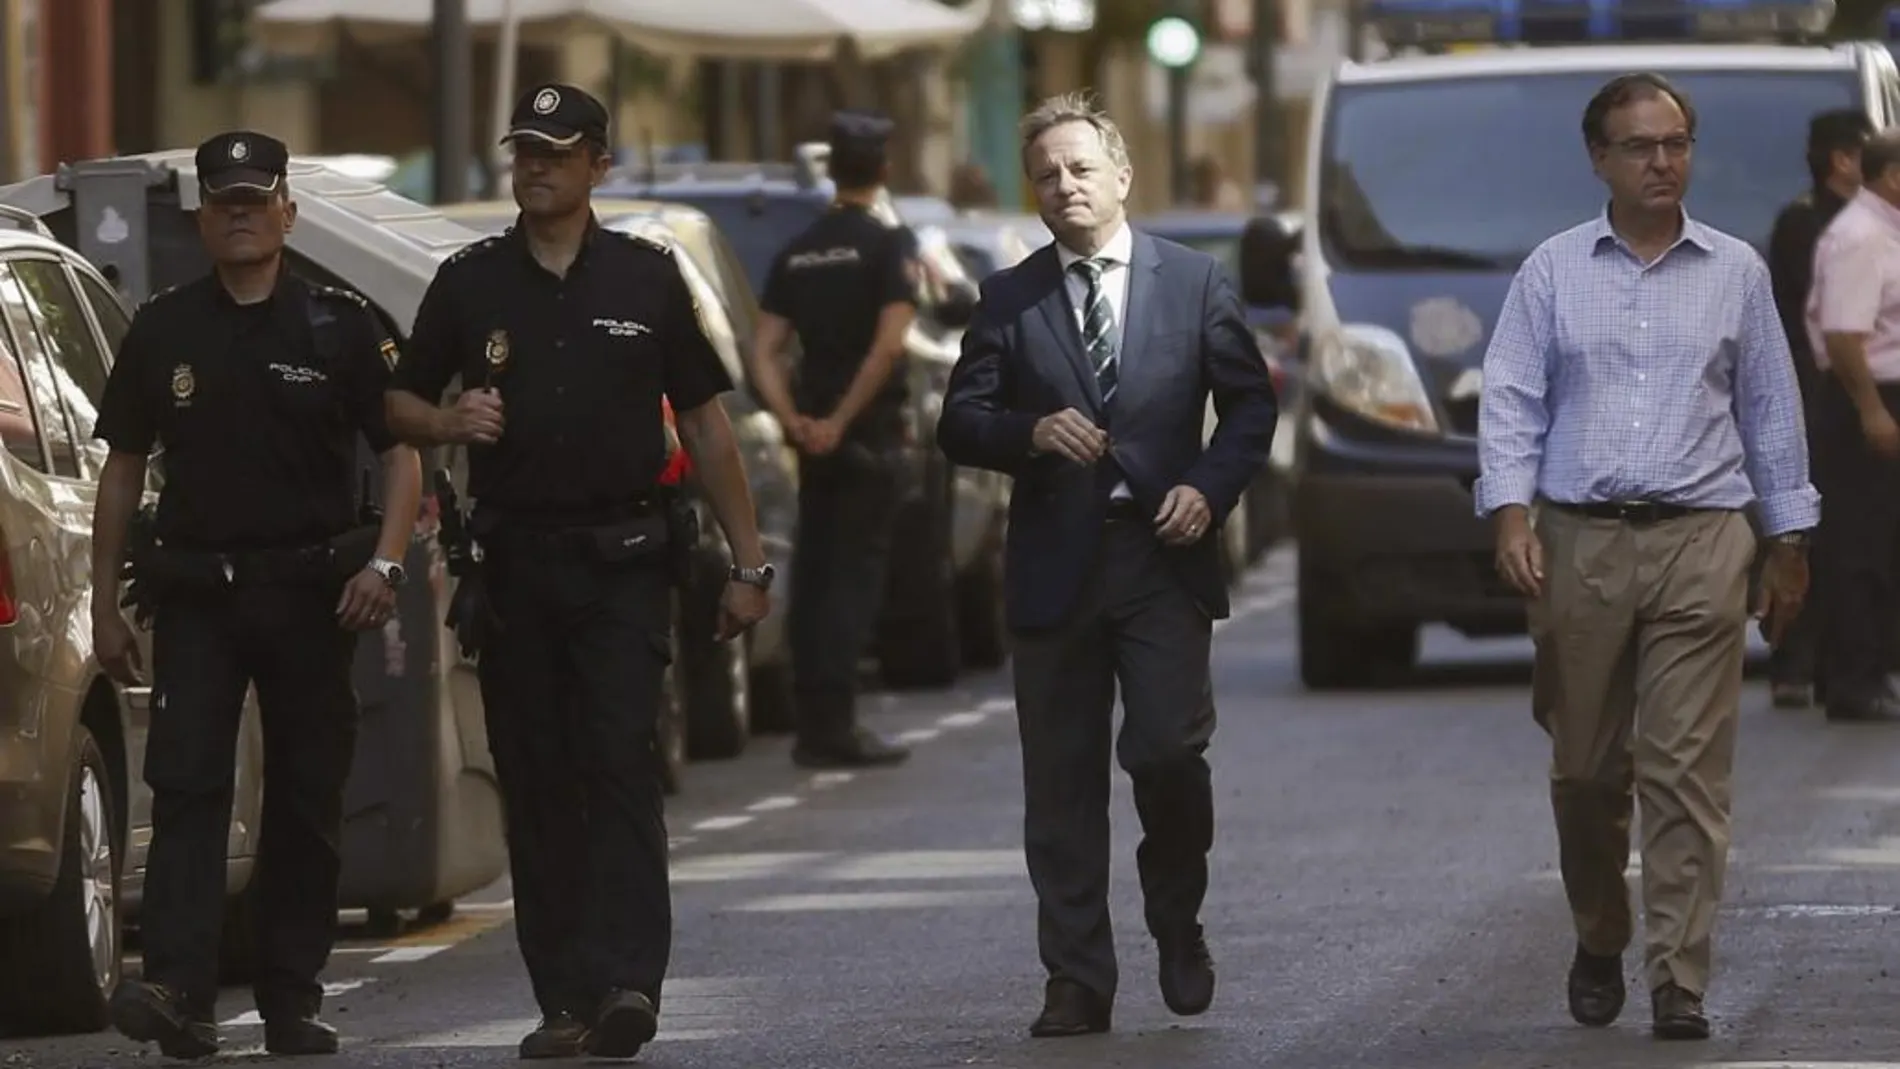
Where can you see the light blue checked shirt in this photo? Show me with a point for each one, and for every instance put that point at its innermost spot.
(1610, 381)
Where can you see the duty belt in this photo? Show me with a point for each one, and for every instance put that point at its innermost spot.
(315, 562)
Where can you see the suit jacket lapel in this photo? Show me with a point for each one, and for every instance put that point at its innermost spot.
(1144, 266)
(1058, 314)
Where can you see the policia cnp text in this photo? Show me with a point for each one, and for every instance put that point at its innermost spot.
(566, 337)
(259, 568)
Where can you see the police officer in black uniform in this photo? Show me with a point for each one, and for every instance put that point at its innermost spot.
(847, 287)
(1834, 143)
(566, 336)
(261, 567)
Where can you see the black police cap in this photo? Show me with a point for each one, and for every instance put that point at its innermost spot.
(862, 132)
(558, 115)
(242, 160)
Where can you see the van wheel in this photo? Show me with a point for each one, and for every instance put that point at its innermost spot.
(670, 721)
(718, 681)
(1337, 652)
(64, 959)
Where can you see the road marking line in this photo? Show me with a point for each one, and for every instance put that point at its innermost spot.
(719, 868)
(832, 779)
(857, 900)
(962, 720)
(251, 1018)
(457, 929)
(915, 735)
(506, 905)
(993, 706)
(927, 865)
(722, 823)
(774, 803)
(409, 953)
(674, 842)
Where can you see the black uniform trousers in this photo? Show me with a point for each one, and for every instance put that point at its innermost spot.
(1136, 625)
(207, 646)
(571, 684)
(1855, 549)
(847, 509)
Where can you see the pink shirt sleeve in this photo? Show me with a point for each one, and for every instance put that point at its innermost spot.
(1848, 277)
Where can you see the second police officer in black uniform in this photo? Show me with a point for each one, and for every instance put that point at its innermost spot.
(566, 337)
(260, 570)
(847, 287)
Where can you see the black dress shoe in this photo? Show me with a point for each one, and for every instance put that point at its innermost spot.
(627, 1022)
(298, 1035)
(860, 749)
(559, 1036)
(1187, 973)
(154, 1013)
(1678, 1014)
(1596, 989)
(1069, 1009)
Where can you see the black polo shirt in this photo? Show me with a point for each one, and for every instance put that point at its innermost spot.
(832, 283)
(581, 363)
(256, 407)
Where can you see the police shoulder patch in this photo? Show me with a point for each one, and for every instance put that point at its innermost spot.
(339, 293)
(643, 241)
(473, 247)
(155, 297)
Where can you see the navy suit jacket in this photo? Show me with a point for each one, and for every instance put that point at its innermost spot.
(1186, 337)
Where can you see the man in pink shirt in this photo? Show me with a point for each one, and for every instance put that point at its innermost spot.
(1853, 321)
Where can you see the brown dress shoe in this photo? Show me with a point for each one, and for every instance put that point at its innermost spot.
(1678, 1014)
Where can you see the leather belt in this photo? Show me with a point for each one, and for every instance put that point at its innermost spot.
(1626, 511)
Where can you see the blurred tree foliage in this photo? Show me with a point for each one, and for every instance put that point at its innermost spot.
(1858, 19)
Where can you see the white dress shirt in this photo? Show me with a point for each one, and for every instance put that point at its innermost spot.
(1119, 250)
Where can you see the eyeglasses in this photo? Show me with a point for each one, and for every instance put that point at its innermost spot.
(1643, 149)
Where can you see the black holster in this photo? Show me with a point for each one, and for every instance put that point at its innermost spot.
(471, 615)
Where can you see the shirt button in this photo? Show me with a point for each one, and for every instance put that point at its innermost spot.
(1640, 377)
(560, 343)
(1638, 423)
(1644, 325)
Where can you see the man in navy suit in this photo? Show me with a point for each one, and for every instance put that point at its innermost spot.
(1085, 375)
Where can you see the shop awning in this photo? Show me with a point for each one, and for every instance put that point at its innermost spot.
(732, 29)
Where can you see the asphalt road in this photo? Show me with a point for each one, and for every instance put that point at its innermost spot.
(1384, 896)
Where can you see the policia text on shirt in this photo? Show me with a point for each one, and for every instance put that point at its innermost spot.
(566, 337)
(257, 569)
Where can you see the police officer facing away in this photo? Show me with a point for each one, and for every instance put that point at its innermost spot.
(1834, 143)
(847, 287)
(567, 337)
(256, 385)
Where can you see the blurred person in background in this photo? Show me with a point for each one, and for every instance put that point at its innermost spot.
(847, 288)
(1834, 143)
(1853, 322)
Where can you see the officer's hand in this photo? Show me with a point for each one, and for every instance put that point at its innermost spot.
(476, 417)
(1070, 434)
(822, 436)
(367, 601)
(742, 606)
(1882, 433)
(115, 646)
(1184, 517)
(1784, 586)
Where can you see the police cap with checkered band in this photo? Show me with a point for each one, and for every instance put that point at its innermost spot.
(242, 160)
(558, 114)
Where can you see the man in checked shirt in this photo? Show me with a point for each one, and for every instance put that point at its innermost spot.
(1638, 396)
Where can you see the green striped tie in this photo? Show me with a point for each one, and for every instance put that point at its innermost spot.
(1098, 326)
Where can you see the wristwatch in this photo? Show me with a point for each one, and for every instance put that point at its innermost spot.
(760, 577)
(391, 572)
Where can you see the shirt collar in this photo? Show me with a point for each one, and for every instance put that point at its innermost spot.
(1880, 208)
(1120, 250)
(223, 299)
(518, 233)
(1603, 235)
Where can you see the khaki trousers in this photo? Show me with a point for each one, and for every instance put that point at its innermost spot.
(1640, 632)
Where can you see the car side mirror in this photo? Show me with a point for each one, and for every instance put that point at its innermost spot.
(1268, 248)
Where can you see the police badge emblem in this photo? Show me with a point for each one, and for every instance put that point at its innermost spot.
(497, 351)
(184, 384)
